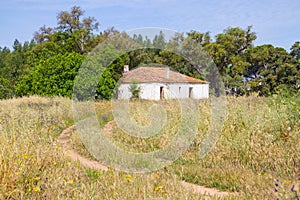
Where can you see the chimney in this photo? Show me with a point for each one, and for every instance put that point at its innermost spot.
(126, 68)
(167, 75)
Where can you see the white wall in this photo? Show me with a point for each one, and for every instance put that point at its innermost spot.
(171, 90)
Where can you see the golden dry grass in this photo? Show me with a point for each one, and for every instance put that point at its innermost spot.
(33, 165)
(259, 145)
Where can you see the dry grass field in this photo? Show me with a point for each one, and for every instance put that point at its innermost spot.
(257, 154)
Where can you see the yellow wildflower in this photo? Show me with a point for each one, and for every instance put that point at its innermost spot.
(158, 188)
(128, 177)
(36, 189)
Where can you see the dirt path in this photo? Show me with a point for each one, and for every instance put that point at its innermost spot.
(64, 138)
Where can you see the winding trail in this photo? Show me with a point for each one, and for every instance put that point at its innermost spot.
(86, 162)
(64, 138)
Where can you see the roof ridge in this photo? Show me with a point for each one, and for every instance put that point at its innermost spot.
(148, 74)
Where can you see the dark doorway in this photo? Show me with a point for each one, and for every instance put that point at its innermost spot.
(162, 94)
(190, 92)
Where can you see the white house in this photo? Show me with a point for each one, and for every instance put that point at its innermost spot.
(161, 83)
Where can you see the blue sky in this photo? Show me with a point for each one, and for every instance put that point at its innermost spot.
(276, 22)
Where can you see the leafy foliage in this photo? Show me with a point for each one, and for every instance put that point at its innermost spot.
(271, 70)
(135, 90)
(53, 76)
(44, 65)
(5, 91)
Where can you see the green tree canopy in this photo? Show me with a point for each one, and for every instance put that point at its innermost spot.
(53, 76)
(271, 69)
(228, 53)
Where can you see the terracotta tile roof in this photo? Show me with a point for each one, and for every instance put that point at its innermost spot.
(157, 75)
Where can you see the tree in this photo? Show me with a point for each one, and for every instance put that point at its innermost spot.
(44, 34)
(202, 39)
(271, 69)
(228, 54)
(138, 39)
(14, 63)
(135, 90)
(159, 41)
(79, 29)
(74, 32)
(109, 79)
(51, 77)
(295, 50)
(97, 76)
(5, 90)
(106, 86)
(3, 61)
